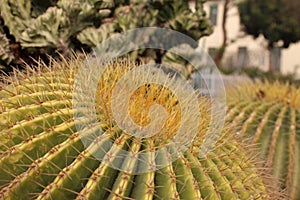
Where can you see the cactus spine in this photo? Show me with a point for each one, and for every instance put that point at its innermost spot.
(269, 114)
(42, 156)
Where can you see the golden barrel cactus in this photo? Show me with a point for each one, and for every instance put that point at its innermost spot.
(42, 154)
(268, 114)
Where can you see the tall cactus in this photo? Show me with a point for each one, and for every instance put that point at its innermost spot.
(269, 113)
(42, 155)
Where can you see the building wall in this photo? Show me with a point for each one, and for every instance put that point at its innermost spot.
(258, 55)
(291, 59)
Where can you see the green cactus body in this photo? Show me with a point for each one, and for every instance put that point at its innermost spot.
(42, 155)
(269, 114)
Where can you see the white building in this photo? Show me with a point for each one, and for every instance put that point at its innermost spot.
(243, 50)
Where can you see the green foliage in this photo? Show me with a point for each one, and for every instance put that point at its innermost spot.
(6, 55)
(43, 27)
(42, 156)
(52, 28)
(269, 114)
(274, 19)
(228, 70)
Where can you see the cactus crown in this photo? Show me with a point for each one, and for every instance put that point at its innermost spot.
(42, 155)
(276, 92)
(141, 100)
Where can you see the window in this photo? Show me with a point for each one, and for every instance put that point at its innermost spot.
(275, 59)
(243, 57)
(213, 14)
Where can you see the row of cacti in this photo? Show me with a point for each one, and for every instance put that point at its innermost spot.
(42, 155)
(268, 114)
(63, 25)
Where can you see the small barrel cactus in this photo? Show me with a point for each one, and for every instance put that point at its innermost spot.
(268, 114)
(42, 155)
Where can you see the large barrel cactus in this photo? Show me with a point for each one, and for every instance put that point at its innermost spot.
(42, 155)
(268, 114)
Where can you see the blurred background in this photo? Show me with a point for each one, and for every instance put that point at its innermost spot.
(247, 39)
(258, 38)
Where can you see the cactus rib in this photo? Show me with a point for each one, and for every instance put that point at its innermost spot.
(43, 156)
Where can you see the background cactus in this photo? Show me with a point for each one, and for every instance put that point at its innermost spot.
(61, 25)
(42, 156)
(6, 55)
(50, 24)
(269, 114)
